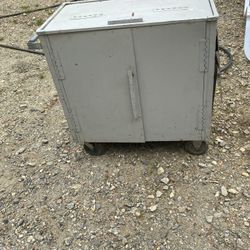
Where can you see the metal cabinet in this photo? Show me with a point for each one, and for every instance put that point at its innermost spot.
(134, 71)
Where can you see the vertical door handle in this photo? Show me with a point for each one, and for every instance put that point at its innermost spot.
(132, 90)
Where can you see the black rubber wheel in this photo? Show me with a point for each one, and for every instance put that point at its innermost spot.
(196, 148)
(95, 149)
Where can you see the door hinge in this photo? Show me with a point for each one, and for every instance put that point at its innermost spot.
(58, 67)
(200, 118)
(204, 55)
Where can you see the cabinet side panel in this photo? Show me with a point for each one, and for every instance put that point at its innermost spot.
(51, 60)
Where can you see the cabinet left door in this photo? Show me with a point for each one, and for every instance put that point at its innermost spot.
(97, 72)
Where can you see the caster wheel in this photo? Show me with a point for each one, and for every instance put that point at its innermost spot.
(95, 149)
(196, 147)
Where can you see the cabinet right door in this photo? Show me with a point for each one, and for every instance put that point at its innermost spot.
(171, 79)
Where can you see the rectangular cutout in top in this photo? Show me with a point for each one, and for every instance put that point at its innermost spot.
(123, 21)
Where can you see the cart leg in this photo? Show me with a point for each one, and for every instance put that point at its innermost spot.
(196, 147)
(95, 149)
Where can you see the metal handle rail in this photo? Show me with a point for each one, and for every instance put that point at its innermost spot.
(124, 21)
(132, 89)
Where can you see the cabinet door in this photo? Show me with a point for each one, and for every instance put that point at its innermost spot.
(98, 74)
(171, 80)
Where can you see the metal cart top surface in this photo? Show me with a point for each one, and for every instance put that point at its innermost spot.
(110, 14)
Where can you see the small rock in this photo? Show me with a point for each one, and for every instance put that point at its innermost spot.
(153, 208)
(165, 187)
(158, 194)
(98, 206)
(209, 219)
(78, 156)
(137, 213)
(172, 194)
(151, 196)
(20, 236)
(245, 174)
(232, 104)
(247, 132)
(59, 201)
(185, 164)
(217, 194)
(30, 239)
(54, 93)
(93, 207)
(5, 221)
(76, 187)
(224, 191)
(247, 224)
(218, 215)
(246, 194)
(34, 109)
(31, 164)
(235, 132)
(45, 141)
(20, 222)
(16, 201)
(247, 148)
(114, 231)
(232, 191)
(202, 165)
(165, 180)
(160, 170)
(175, 226)
(242, 150)
(182, 209)
(207, 170)
(68, 241)
(240, 242)
(20, 151)
(129, 204)
(124, 241)
(220, 142)
(39, 237)
(23, 106)
(70, 205)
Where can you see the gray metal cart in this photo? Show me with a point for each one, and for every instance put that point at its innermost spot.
(132, 71)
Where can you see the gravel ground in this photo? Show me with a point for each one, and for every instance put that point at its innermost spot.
(55, 196)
